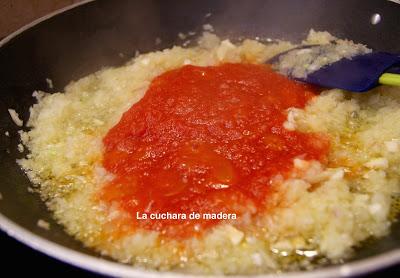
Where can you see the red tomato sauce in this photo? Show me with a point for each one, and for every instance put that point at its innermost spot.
(206, 140)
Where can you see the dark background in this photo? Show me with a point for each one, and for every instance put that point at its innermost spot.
(33, 262)
(16, 13)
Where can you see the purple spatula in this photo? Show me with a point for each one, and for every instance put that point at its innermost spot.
(358, 73)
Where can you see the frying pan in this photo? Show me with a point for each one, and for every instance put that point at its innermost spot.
(83, 38)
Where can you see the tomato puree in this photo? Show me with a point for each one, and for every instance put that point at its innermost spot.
(206, 140)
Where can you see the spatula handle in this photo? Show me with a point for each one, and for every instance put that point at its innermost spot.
(391, 79)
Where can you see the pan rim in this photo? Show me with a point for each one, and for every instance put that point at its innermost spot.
(106, 267)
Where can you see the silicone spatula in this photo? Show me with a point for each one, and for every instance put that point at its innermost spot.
(359, 73)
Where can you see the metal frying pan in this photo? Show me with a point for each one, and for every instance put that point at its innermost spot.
(84, 38)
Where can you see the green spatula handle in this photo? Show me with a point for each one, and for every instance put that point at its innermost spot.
(390, 79)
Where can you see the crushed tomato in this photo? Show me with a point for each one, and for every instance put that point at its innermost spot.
(206, 140)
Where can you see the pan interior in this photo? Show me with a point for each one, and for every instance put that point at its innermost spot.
(89, 37)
